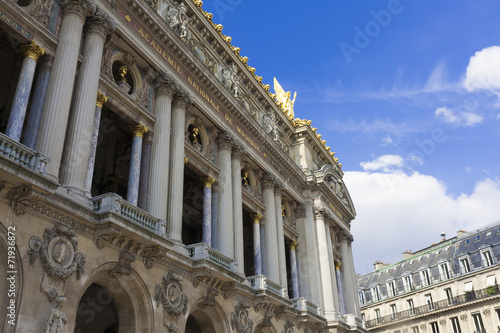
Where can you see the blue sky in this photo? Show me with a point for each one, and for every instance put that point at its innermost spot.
(407, 95)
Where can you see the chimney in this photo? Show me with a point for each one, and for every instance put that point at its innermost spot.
(461, 234)
(407, 254)
(379, 265)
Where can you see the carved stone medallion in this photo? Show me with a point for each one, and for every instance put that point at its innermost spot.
(57, 251)
(171, 294)
(240, 321)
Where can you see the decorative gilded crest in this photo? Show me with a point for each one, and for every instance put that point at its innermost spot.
(57, 251)
(171, 294)
(240, 320)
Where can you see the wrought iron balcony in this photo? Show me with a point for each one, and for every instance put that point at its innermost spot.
(435, 306)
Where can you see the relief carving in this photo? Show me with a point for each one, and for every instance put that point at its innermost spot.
(21, 197)
(240, 320)
(171, 295)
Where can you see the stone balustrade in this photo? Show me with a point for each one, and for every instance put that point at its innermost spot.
(22, 155)
(261, 282)
(201, 251)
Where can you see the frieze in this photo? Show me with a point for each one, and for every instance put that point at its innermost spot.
(15, 25)
(57, 252)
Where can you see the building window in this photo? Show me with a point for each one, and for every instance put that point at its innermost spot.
(455, 325)
(486, 256)
(361, 296)
(407, 283)
(449, 295)
(498, 316)
(444, 272)
(377, 315)
(428, 300)
(434, 327)
(425, 278)
(464, 265)
(391, 289)
(375, 294)
(394, 310)
(411, 307)
(414, 329)
(478, 322)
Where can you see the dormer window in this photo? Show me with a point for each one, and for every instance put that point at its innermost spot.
(487, 260)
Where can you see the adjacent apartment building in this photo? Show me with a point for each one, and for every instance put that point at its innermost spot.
(448, 287)
(150, 181)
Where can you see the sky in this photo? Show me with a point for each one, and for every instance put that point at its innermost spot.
(406, 92)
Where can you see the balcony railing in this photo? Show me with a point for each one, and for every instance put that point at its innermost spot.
(261, 282)
(201, 251)
(112, 202)
(443, 304)
(22, 155)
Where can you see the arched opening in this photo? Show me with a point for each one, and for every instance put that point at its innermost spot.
(97, 312)
(192, 325)
(200, 322)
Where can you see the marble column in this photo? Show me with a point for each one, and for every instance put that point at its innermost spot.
(81, 120)
(215, 215)
(237, 205)
(101, 99)
(225, 234)
(165, 86)
(147, 141)
(256, 244)
(31, 53)
(207, 209)
(272, 262)
(263, 251)
(350, 291)
(332, 266)
(280, 236)
(35, 114)
(340, 288)
(356, 307)
(293, 266)
(176, 182)
(138, 131)
(324, 267)
(55, 115)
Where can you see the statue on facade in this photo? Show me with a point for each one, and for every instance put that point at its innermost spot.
(57, 318)
(177, 19)
(284, 98)
(231, 80)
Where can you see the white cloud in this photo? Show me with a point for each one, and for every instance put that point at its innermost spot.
(398, 212)
(457, 118)
(383, 163)
(483, 71)
(387, 140)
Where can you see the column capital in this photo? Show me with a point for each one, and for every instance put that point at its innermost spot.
(319, 212)
(225, 140)
(256, 218)
(345, 235)
(278, 187)
(138, 130)
(32, 50)
(83, 8)
(292, 244)
(337, 265)
(207, 181)
(100, 23)
(101, 99)
(268, 181)
(238, 149)
(165, 84)
(182, 98)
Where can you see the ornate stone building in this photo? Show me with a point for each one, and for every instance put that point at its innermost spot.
(448, 287)
(150, 181)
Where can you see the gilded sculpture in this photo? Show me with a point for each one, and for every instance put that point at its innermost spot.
(283, 97)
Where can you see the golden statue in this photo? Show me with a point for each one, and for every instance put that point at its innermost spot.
(301, 122)
(194, 135)
(283, 213)
(123, 71)
(244, 178)
(284, 98)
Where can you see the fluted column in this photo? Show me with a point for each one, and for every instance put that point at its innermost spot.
(135, 163)
(347, 273)
(147, 141)
(357, 310)
(54, 120)
(39, 94)
(280, 236)
(256, 244)
(81, 120)
(293, 267)
(332, 266)
(207, 209)
(272, 261)
(225, 234)
(263, 252)
(237, 206)
(31, 53)
(101, 99)
(215, 215)
(165, 87)
(324, 267)
(176, 183)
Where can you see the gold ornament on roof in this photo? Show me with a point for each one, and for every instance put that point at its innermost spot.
(273, 96)
(340, 165)
(259, 79)
(228, 39)
(314, 129)
(301, 122)
(198, 3)
(318, 136)
(236, 50)
(336, 159)
(219, 27)
(328, 148)
(251, 69)
(266, 87)
(244, 60)
(323, 142)
(284, 98)
(209, 16)
(332, 153)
